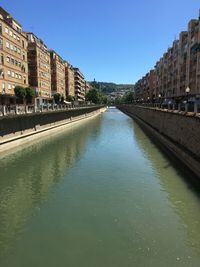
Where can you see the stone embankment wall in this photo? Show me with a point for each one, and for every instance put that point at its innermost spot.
(17, 127)
(179, 133)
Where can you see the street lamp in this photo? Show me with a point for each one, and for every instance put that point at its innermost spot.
(159, 100)
(187, 90)
(148, 100)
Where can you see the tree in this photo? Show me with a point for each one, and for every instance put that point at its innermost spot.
(118, 101)
(70, 98)
(57, 98)
(20, 93)
(62, 99)
(94, 96)
(30, 95)
(104, 99)
(128, 98)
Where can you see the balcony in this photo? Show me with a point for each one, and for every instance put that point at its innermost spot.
(1, 73)
(195, 48)
(78, 91)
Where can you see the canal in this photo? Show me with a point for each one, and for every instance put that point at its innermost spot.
(99, 194)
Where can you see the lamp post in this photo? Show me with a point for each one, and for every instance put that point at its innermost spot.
(187, 91)
(159, 100)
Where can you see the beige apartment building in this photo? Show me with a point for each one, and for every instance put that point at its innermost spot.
(79, 85)
(69, 80)
(57, 74)
(13, 57)
(177, 73)
(39, 66)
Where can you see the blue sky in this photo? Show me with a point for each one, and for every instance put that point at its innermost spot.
(109, 40)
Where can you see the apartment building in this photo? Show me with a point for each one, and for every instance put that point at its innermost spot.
(79, 85)
(151, 82)
(69, 80)
(177, 69)
(39, 67)
(183, 52)
(57, 74)
(13, 57)
(193, 57)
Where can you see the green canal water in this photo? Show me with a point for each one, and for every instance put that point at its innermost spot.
(99, 194)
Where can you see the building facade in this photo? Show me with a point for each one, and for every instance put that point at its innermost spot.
(13, 57)
(178, 71)
(69, 80)
(39, 66)
(79, 86)
(57, 74)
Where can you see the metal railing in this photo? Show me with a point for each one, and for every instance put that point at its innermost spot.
(12, 110)
(186, 107)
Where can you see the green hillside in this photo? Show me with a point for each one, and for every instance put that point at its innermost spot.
(107, 88)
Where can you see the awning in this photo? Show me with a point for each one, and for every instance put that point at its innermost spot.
(67, 103)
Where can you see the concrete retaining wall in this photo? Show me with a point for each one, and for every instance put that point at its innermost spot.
(178, 133)
(22, 126)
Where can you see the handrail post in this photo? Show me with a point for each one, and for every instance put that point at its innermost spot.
(195, 108)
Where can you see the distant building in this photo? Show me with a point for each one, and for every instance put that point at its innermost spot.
(79, 85)
(57, 74)
(13, 57)
(88, 87)
(39, 68)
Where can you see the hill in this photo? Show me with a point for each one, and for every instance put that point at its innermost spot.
(109, 87)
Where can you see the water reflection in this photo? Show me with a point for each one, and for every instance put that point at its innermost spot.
(28, 176)
(181, 190)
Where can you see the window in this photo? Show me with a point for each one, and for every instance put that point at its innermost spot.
(1, 43)
(15, 48)
(11, 33)
(7, 45)
(12, 61)
(0, 28)
(13, 86)
(19, 76)
(16, 76)
(2, 59)
(23, 43)
(9, 72)
(13, 74)
(2, 73)
(6, 30)
(19, 50)
(8, 59)
(9, 86)
(24, 80)
(16, 63)
(18, 39)
(11, 47)
(24, 57)
(14, 36)
(19, 64)
(3, 86)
